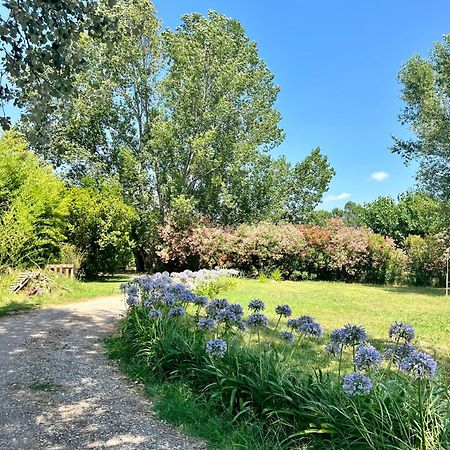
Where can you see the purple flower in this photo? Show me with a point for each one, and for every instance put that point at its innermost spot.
(256, 305)
(283, 310)
(206, 323)
(177, 311)
(419, 365)
(226, 315)
(287, 336)
(155, 314)
(399, 352)
(356, 384)
(348, 335)
(237, 309)
(216, 347)
(215, 305)
(257, 319)
(401, 330)
(200, 301)
(133, 300)
(312, 329)
(367, 357)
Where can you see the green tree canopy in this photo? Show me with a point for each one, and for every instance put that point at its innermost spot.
(426, 93)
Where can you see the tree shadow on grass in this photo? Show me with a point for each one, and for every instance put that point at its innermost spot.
(426, 291)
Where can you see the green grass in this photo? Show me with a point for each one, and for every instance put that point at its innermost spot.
(65, 290)
(374, 307)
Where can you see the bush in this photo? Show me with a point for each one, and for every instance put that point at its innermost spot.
(100, 225)
(335, 252)
(32, 206)
(426, 259)
(285, 384)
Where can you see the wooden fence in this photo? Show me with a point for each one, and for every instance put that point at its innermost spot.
(67, 270)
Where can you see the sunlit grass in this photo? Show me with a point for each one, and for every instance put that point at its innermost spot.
(374, 307)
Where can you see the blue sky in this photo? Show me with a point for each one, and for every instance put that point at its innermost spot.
(336, 63)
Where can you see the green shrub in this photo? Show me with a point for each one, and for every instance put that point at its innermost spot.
(99, 226)
(32, 206)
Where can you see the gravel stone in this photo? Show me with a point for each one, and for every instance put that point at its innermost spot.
(60, 391)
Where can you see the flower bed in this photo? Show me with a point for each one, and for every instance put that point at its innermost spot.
(299, 382)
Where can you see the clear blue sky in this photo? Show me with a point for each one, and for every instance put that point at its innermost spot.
(336, 63)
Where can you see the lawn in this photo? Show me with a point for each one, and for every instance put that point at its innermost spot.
(375, 307)
(65, 290)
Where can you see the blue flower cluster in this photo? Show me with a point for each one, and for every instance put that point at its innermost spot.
(401, 330)
(287, 336)
(397, 353)
(256, 305)
(356, 384)
(206, 323)
(257, 319)
(283, 310)
(347, 336)
(216, 347)
(367, 358)
(419, 365)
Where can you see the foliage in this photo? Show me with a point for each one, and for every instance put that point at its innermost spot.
(184, 119)
(32, 206)
(37, 49)
(426, 94)
(414, 213)
(99, 225)
(426, 259)
(401, 405)
(309, 180)
(336, 252)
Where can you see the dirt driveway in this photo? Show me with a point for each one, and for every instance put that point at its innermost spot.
(58, 390)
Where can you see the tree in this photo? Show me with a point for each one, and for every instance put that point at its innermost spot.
(32, 206)
(426, 93)
(218, 114)
(38, 57)
(308, 181)
(100, 225)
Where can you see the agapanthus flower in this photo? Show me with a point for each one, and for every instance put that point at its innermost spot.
(292, 323)
(312, 329)
(226, 315)
(256, 305)
(177, 311)
(241, 325)
(353, 335)
(283, 310)
(215, 305)
(367, 357)
(356, 384)
(257, 319)
(133, 300)
(398, 353)
(237, 309)
(155, 314)
(216, 347)
(287, 336)
(419, 365)
(200, 301)
(206, 323)
(401, 330)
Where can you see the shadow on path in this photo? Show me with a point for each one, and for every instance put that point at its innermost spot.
(60, 391)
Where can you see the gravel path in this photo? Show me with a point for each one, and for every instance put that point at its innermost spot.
(58, 390)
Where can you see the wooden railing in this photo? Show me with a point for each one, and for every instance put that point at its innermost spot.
(67, 270)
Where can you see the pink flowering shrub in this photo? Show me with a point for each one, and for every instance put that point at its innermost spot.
(334, 252)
